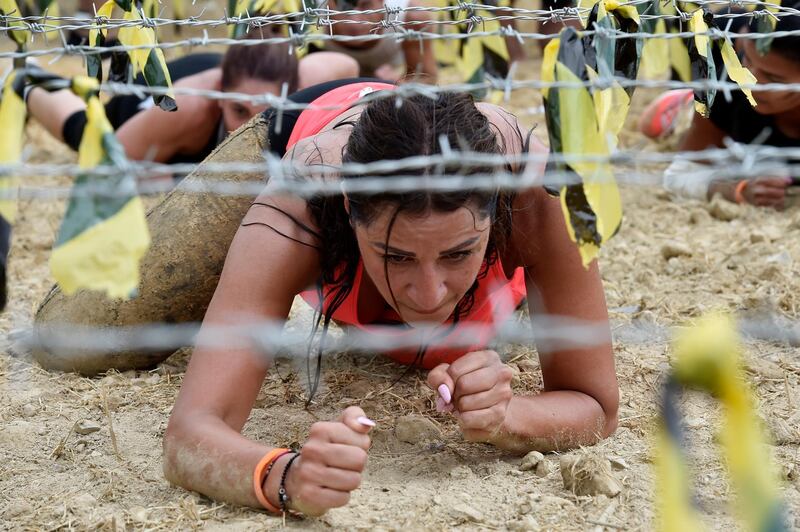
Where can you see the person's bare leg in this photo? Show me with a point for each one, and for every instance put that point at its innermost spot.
(52, 109)
(320, 67)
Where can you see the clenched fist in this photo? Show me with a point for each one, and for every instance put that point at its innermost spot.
(331, 463)
(477, 389)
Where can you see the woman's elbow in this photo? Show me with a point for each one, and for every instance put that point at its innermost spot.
(171, 445)
(610, 419)
(610, 425)
(176, 439)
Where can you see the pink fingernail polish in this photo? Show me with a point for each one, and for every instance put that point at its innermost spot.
(367, 422)
(444, 392)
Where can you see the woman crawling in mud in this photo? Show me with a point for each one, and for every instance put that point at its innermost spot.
(368, 259)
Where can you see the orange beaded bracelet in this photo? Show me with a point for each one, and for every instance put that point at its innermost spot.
(261, 472)
(738, 192)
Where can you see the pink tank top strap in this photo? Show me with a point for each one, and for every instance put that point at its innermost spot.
(329, 106)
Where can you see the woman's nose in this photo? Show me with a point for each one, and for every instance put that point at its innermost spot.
(428, 292)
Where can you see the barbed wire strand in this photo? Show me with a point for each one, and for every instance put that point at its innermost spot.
(736, 161)
(299, 40)
(39, 23)
(291, 338)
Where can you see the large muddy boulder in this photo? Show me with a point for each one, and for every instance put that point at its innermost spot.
(190, 232)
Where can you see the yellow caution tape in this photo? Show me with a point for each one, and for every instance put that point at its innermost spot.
(12, 126)
(102, 238)
(583, 127)
(20, 36)
(707, 357)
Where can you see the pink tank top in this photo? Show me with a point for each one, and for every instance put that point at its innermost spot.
(495, 298)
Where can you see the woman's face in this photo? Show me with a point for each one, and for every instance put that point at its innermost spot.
(235, 113)
(772, 68)
(433, 259)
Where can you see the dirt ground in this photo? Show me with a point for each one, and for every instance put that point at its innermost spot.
(739, 259)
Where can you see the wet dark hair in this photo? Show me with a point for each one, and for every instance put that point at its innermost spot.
(265, 62)
(389, 130)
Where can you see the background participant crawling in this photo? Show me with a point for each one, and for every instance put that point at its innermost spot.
(445, 259)
(199, 124)
(774, 121)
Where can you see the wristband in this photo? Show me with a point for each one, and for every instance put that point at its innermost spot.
(283, 497)
(738, 192)
(261, 472)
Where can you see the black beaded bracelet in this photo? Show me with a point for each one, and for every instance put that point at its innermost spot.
(283, 498)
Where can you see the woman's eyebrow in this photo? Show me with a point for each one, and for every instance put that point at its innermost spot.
(397, 251)
(461, 246)
(390, 249)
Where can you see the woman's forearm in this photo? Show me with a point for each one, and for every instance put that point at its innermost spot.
(207, 456)
(554, 421)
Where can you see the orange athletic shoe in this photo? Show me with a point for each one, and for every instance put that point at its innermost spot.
(660, 117)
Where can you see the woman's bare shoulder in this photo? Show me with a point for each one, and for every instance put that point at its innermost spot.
(323, 149)
(506, 125)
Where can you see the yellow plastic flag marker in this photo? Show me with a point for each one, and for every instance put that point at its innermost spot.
(697, 25)
(737, 72)
(179, 11)
(20, 36)
(593, 208)
(253, 8)
(104, 233)
(445, 50)
(149, 60)
(12, 126)
(707, 357)
(481, 56)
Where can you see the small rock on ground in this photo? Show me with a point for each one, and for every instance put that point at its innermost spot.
(675, 249)
(416, 429)
(617, 463)
(464, 512)
(85, 427)
(524, 524)
(724, 210)
(589, 475)
(536, 462)
(18, 508)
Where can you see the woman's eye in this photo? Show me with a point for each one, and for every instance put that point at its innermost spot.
(458, 256)
(397, 259)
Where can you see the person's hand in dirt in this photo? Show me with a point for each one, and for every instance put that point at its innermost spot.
(768, 191)
(330, 467)
(477, 389)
